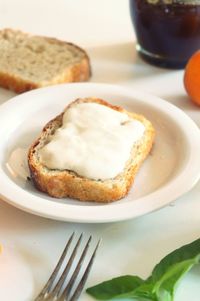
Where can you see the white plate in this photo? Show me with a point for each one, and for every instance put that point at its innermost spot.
(171, 170)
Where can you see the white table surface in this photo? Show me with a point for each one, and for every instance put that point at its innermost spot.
(31, 244)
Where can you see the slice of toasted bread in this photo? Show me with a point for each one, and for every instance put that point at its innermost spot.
(66, 183)
(28, 62)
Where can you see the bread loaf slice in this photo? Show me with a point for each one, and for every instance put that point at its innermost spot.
(28, 62)
(66, 183)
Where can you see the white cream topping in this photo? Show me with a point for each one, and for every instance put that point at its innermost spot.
(94, 141)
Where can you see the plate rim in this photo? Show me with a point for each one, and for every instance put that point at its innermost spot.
(187, 124)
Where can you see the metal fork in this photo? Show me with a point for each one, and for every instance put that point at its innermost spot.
(58, 290)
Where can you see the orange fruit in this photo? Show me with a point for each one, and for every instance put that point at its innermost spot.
(192, 78)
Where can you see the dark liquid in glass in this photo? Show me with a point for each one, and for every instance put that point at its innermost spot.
(167, 34)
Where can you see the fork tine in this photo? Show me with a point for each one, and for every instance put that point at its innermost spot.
(68, 288)
(62, 278)
(50, 281)
(83, 280)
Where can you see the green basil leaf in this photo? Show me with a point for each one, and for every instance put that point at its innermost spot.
(145, 291)
(188, 251)
(160, 286)
(165, 287)
(115, 288)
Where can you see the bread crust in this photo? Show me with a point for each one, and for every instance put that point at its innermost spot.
(78, 72)
(65, 183)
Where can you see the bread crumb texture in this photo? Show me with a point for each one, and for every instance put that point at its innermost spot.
(28, 62)
(66, 183)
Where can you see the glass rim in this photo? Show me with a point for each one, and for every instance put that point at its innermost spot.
(168, 2)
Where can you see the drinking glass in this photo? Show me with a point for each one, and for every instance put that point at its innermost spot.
(167, 31)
